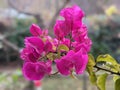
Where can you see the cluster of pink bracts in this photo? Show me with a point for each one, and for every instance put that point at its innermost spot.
(71, 33)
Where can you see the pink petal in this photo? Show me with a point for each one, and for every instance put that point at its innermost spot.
(36, 71)
(29, 55)
(45, 32)
(36, 43)
(74, 13)
(66, 42)
(35, 30)
(65, 65)
(58, 29)
(62, 68)
(48, 65)
(73, 16)
(80, 61)
(33, 71)
(48, 46)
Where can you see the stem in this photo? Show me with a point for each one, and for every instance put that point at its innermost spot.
(70, 36)
(55, 73)
(99, 68)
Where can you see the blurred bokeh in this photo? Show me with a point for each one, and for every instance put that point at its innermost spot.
(16, 16)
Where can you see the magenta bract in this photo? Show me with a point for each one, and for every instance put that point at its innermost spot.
(73, 20)
(29, 54)
(71, 61)
(73, 13)
(59, 26)
(36, 71)
(68, 50)
(35, 30)
(34, 42)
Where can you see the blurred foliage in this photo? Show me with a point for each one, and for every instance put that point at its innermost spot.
(111, 10)
(21, 30)
(22, 23)
(12, 81)
(104, 32)
(18, 38)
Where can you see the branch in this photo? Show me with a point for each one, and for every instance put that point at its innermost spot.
(37, 16)
(56, 15)
(99, 68)
(9, 44)
(20, 11)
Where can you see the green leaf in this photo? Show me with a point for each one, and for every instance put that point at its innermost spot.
(110, 62)
(91, 60)
(115, 77)
(93, 78)
(101, 79)
(117, 84)
(106, 58)
(63, 48)
(50, 56)
(91, 63)
(53, 56)
(89, 69)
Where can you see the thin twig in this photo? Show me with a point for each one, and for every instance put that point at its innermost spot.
(117, 73)
(56, 15)
(20, 11)
(55, 73)
(9, 44)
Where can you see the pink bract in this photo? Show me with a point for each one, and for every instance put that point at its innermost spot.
(73, 13)
(58, 29)
(71, 61)
(73, 17)
(35, 30)
(86, 44)
(29, 54)
(48, 47)
(80, 34)
(70, 32)
(72, 23)
(36, 71)
(35, 42)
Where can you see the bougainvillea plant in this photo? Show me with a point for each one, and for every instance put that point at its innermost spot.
(68, 50)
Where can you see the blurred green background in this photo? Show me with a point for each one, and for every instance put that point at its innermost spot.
(16, 16)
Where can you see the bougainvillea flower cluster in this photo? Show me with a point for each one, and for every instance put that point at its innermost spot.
(68, 50)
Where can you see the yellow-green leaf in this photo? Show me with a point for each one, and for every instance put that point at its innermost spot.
(53, 56)
(93, 78)
(91, 60)
(117, 84)
(106, 58)
(50, 56)
(114, 68)
(89, 69)
(110, 61)
(101, 79)
(63, 47)
(115, 77)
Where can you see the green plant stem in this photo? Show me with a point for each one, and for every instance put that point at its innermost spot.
(70, 36)
(99, 68)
